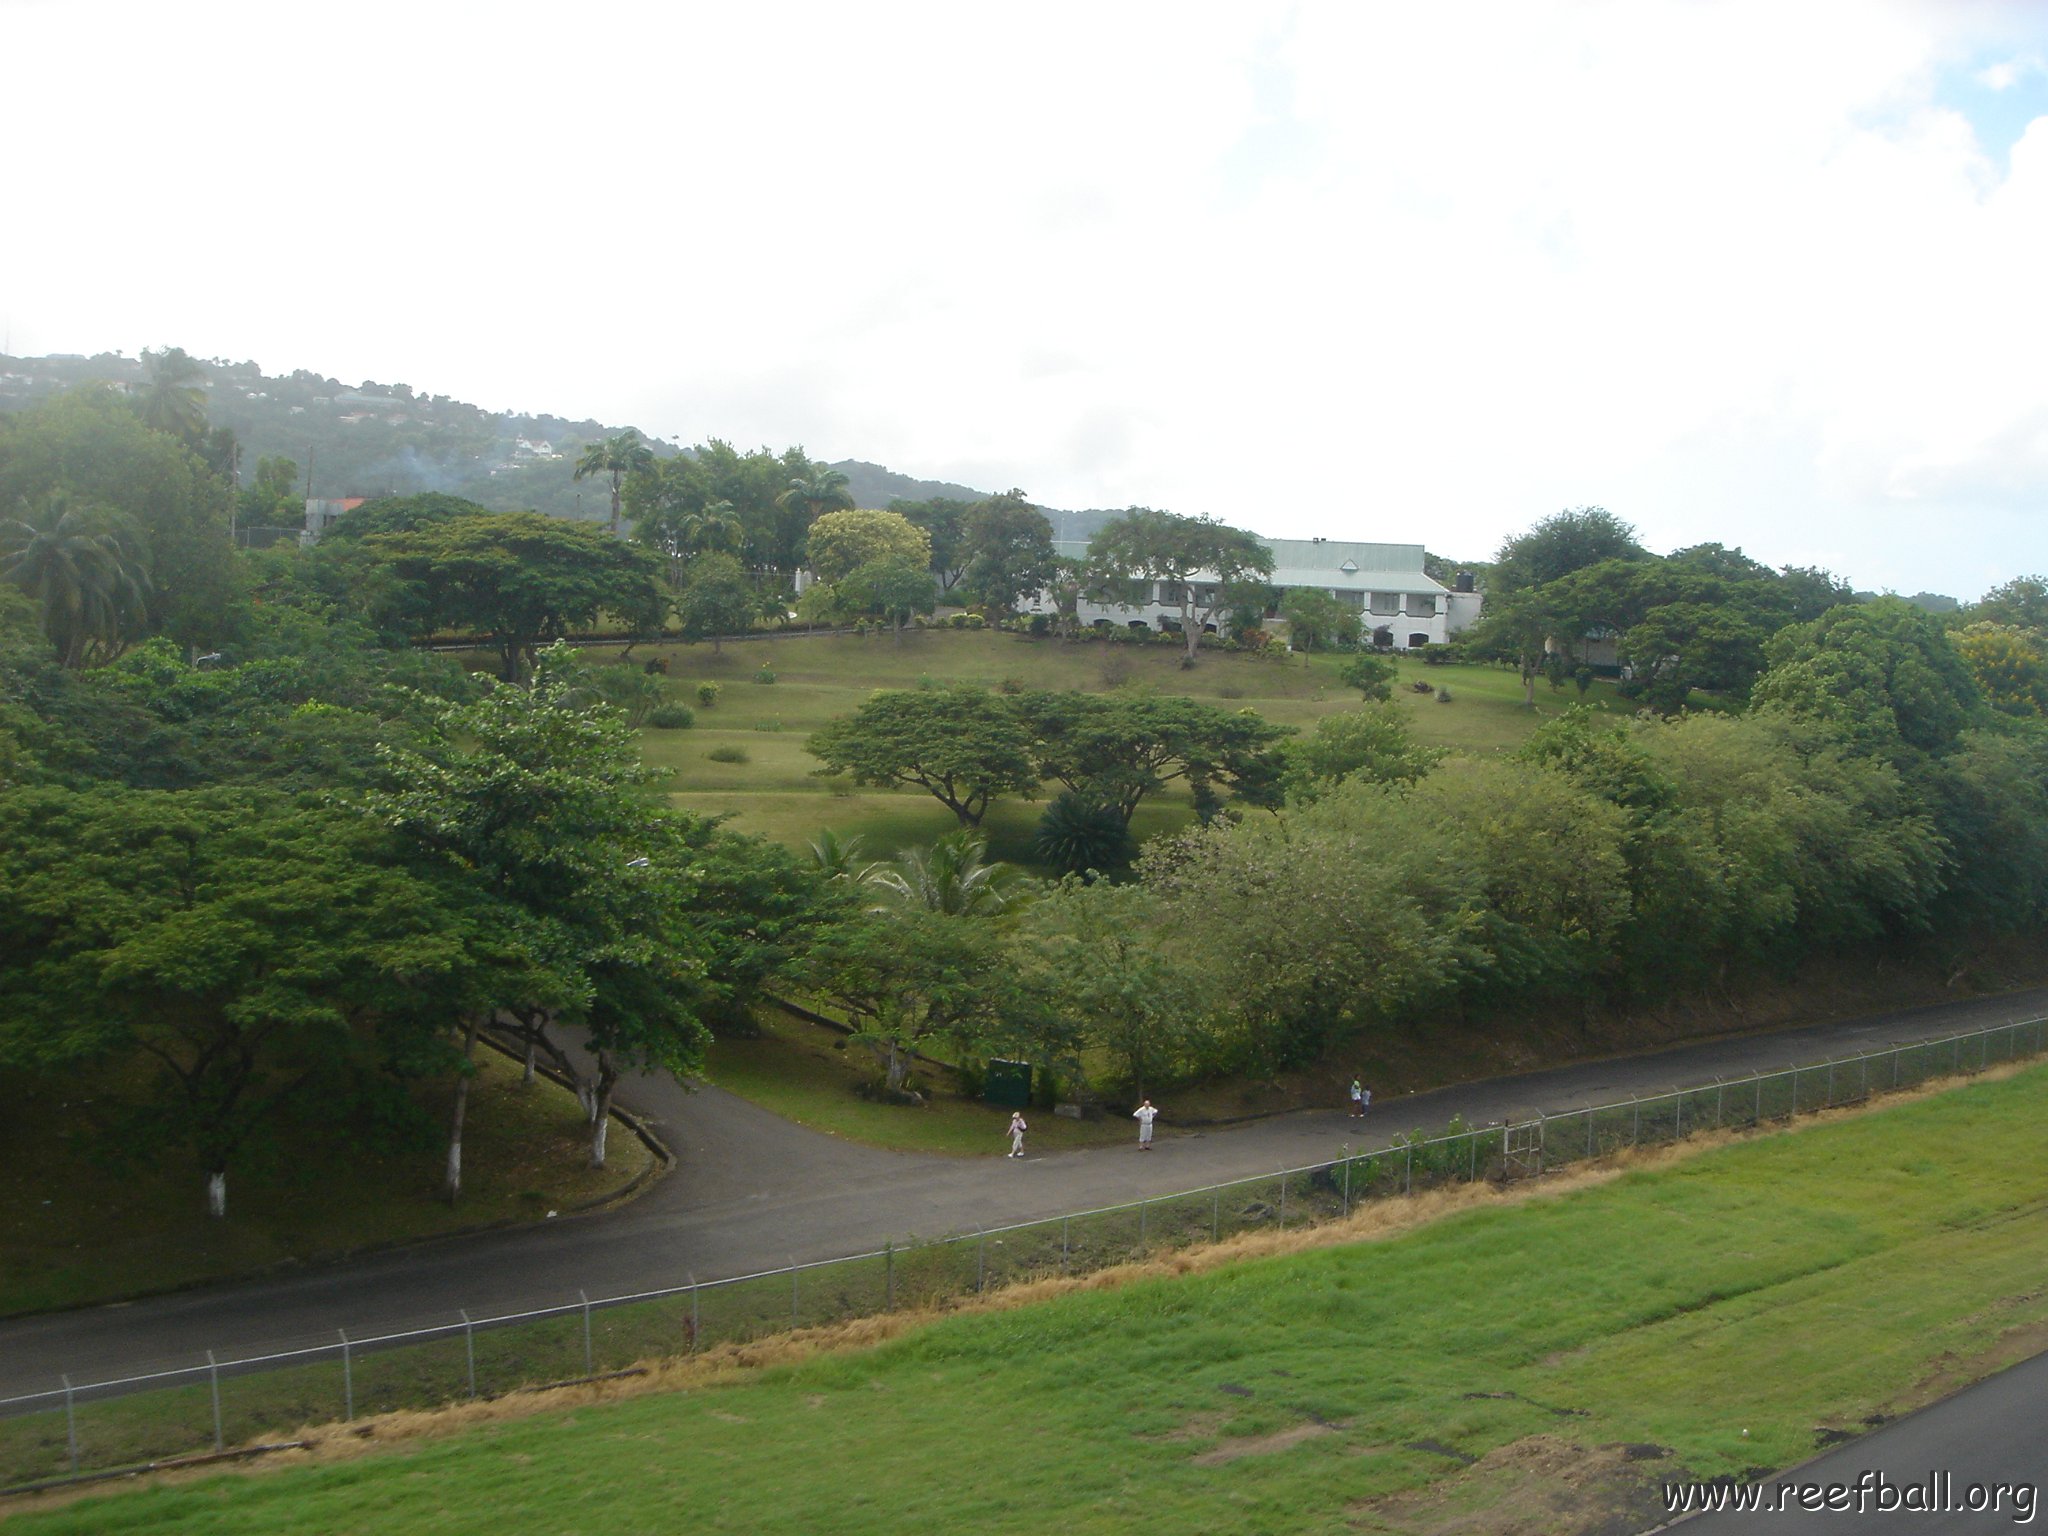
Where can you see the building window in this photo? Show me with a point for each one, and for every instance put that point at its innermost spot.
(1353, 600)
(1421, 605)
(1417, 640)
(1386, 602)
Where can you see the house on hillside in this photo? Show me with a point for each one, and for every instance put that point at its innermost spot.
(320, 513)
(1398, 604)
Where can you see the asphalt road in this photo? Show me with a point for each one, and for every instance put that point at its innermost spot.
(753, 1192)
(1992, 1434)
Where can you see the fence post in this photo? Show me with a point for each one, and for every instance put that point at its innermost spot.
(1758, 1118)
(348, 1378)
(1063, 1243)
(469, 1348)
(1678, 1115)
(1897, 1052)
(1541, 1123)
(70, 1424)
(1635, 1121)
(213, 1380)
(1720, 1088)
(696, 1316)
(793, 1273)
(1831, 1083)
(1283, 1202)
(1592, 1116)
(1347, 1181)
(1408, 1169)
(589, 1365)
(1958, 1067)
(1216, 1214)
(1794, 1110)
(1471, 1157)
(981, 1263)
(888, 1276)
(1144, 1204)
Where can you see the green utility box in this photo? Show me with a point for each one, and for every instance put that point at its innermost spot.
(1009, 1084)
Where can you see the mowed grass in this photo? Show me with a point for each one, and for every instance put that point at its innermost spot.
(777, 792)
(1770, 1286)
(80, 1223)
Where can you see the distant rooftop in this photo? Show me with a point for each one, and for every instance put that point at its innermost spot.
(1331, 563)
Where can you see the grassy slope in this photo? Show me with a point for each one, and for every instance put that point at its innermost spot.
(78, 1227)
(1768, 1286)
(820, 677)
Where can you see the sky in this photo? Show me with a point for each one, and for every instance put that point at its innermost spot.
(1768, 274)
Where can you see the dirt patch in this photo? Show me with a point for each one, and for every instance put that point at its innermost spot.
(1261, 1445)
(1200, 1426)
(1540, 1486)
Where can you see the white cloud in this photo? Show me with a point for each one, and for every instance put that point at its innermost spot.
(1733, 271)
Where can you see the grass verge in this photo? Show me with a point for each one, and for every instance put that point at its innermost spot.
(1466, 1374)
(81, 1224)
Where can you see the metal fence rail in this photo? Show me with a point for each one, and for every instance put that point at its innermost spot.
(149, 1415)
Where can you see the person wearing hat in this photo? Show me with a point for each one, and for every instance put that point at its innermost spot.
(1017, 1129)
(1145, 1114)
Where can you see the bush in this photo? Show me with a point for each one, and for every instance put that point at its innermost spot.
(728, 755)
(1439, 655)
(1039, 624)
(672, 717)
(958, 621)
(1012, 685)
(1077, 834)
(975, 621)
(765, 675)
(707, 695)
(1443, 695)
(767, 725)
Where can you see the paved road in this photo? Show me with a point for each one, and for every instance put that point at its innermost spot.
(1987, 1435)
(752, 1191)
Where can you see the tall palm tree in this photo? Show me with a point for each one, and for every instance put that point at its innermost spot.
(950, 877)
(716, 529)
(83, 565)
(822, 490)
(172, 399)
(617, 456)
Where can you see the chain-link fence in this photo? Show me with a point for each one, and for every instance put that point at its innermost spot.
(217, 1403)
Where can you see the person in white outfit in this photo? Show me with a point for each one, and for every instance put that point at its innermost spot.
(1145, 1114)
(1017, 1129)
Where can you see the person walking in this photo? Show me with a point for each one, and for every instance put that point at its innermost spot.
(1145, 1114)
(1364, 1100)
(1017, 1129)
(1357, 1099)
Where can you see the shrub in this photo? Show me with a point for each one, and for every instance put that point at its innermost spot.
(1438, 655)
(765, 675)
(1075, 835)
(975, 621)
(728, 755)
(767, 725)
(958, 621)
(672, 717)
(1443, 695)
(1012, 685)
(707, 695)
(1039, 624)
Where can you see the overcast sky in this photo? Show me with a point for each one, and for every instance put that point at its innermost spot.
(1771, 274)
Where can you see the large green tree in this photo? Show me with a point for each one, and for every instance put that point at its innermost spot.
(1883, 673)
(716, 601)
(80, 564)
(1560, 544)
(1007, 552)
(1195, 563)
(1116, 749)
(841, 542)
(962, 746)
(519, 580)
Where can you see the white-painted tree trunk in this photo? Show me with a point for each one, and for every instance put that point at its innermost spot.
(217, 1194)
(451, 1179)
(597, 1137)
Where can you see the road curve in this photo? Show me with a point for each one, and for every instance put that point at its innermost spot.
(752, 1191)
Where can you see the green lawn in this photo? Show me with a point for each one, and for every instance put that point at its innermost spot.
(81, 1224)
(1719, 1312)
(775, 792)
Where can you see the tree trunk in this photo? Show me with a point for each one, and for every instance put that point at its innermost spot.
(451, 1180)
(217, 1193)
(532, 1050)
(898, 1068)
(601, 1107)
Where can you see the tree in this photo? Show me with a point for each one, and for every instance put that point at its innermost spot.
(519, 580)
(1316, 621)
(1372, 676)
(1081, 836)
(1095, 953)
(95, 450)
(892, 589)
(952, 876)
(1883, 673)
(173, 397)
(2008, 666)
(905, 976)
(1116, 749)
(245, 948)
(1514, 627)
(811, 493)
(619, 455)
(537, 802)
(1375, 744)
(399, 514)
(1193, 561)
(943, 518)
(841, 542)
(718, 600)
(81, 565)
(1007, 553)
(2022, 602)
(962, 746)
(1560, 544)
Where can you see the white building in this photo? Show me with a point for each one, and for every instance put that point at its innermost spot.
(1397, 603)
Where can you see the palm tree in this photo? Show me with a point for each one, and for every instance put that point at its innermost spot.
(839, 858)
(822, 490)
(172, 400)
(617, 456)
(716, 529)
(950, 877)
(82, 564)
